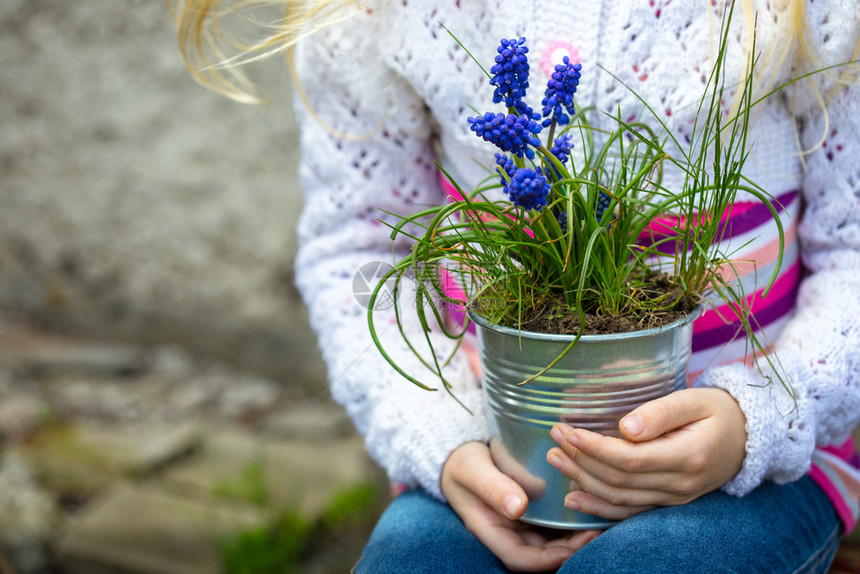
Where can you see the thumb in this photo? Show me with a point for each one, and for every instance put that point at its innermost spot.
(496, 489)
(662, 415)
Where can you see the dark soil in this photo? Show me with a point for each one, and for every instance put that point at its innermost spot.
(673, 305)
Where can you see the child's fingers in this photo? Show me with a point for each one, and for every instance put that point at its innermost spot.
(480, 495)
(674, 468)
(527, 552)
(616, 496)
(475, 471)
(663, 415)
(533, 486)
(662, 481)
(623, 455)
(589, 504)
(517, 555)
(576, 539)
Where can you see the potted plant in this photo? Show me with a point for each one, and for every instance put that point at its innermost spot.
(584, 280)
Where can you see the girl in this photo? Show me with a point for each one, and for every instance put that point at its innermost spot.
(730, 475)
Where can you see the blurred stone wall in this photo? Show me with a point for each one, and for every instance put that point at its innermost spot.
(135, 204)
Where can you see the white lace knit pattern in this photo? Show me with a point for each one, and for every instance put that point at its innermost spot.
(390, 83)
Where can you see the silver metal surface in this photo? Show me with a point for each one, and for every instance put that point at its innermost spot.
(600, 380)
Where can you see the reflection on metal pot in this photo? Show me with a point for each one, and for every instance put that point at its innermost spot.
(601, 379)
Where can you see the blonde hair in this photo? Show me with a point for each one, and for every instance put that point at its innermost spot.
(215, 55)
(789, 35)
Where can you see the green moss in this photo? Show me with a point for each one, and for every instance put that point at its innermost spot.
(352, 503)
(268, 550)
(290, 539)
(251, 486)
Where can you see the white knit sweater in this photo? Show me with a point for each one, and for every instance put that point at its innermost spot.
(389, 82)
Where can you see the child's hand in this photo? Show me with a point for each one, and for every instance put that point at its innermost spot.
(489, 502)
(684, 445)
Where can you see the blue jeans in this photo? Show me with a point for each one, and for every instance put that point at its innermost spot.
(776, 528)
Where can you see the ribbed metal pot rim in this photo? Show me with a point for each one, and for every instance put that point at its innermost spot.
(601, 338)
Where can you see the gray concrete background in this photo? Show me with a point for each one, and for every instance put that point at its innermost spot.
(136, 205)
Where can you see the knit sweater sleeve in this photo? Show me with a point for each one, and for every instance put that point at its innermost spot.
(366, 150)
(819, 349)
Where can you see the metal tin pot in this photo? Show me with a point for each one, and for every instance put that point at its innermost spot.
(602, 378)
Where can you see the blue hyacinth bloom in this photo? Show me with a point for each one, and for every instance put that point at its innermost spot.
(561, 150)
(562, 222)
(511, 72)
(505, 164)
(559, 93)
(511, 77)
(510, 133)
(524, 109)
(528, 189)
(603, 202)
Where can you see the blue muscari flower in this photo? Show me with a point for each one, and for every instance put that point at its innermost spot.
(559, 92)
(505, 164)
(511, 77)
(510, 133)
(562, 222)
(524, 109)
(528, 189)
(560, 149)
(511, 72)
(603, 202)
